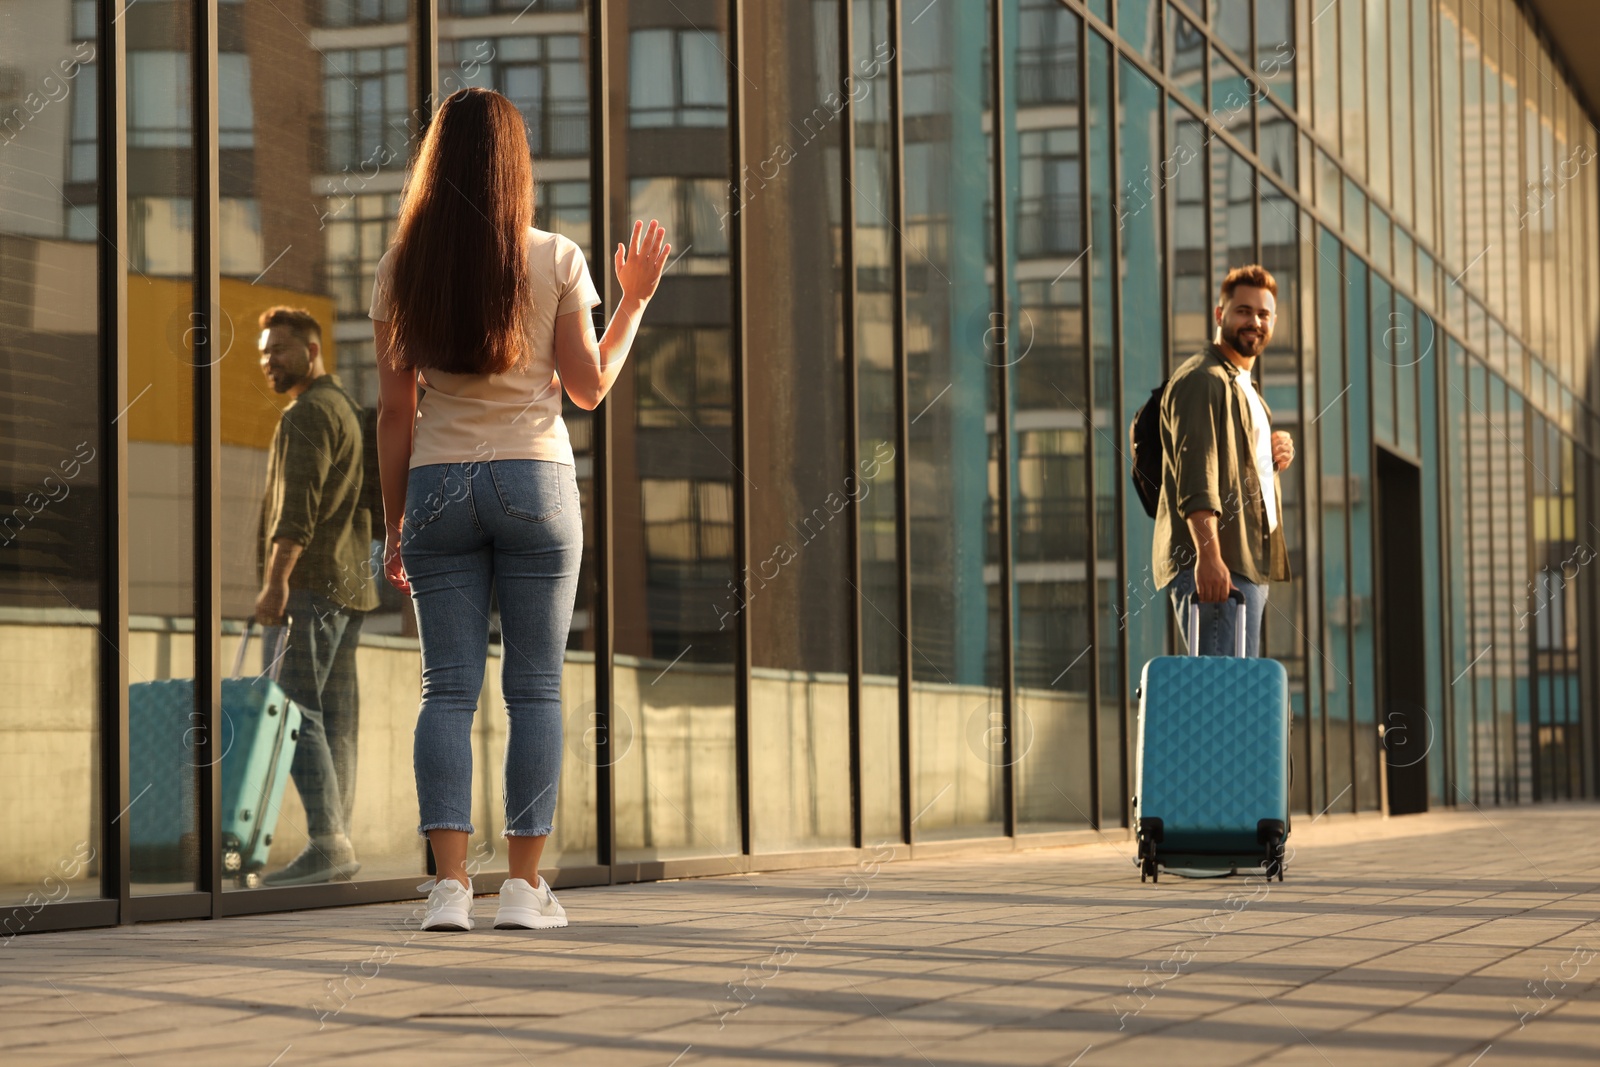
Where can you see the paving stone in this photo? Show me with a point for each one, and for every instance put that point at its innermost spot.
(1401, 941)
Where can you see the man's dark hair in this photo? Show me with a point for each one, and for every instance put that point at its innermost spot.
(1255, 275)
(300, 321)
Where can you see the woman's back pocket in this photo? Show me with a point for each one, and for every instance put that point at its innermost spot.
(528, 488)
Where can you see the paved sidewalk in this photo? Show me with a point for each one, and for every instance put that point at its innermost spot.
(1456, 938)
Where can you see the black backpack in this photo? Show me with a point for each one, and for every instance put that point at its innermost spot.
(1144, 441)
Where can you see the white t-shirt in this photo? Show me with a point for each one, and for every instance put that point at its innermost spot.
(478, 417)
(1263, 448)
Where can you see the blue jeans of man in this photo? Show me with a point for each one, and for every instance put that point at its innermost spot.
(1217, 637)
(510, 527)
(319, 674)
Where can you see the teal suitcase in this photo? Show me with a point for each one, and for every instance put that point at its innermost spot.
(260, 728)
(1212, 771)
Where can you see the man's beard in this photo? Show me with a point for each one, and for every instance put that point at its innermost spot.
(285, 380)
(1249, 347)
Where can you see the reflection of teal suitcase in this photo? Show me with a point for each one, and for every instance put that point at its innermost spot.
(1213, 762)
(260, 727)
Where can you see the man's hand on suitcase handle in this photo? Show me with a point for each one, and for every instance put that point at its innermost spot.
(1212, 582)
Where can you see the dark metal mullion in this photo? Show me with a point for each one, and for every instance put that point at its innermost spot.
(600, 449)
(112, 167)
(1349, 665)
(1114, 149)
(1090, 446)
(207, 415)
(1466, 208)
(1442, 392)
(902, 456)
(1001, 297)
(1533, 423)
(1309, 496)
(852, 404)
(741, 427)
(1313, 267)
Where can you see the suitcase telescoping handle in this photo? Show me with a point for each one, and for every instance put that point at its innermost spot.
(276, 665)
(1238, 625)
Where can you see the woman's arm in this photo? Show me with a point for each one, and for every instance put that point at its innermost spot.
(397, 415)
(589, 368)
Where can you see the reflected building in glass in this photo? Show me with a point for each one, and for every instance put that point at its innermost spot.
(861, 564)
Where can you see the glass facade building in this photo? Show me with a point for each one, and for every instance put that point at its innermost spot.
(861, 564)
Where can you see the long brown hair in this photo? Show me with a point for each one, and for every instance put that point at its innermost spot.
(459, 288)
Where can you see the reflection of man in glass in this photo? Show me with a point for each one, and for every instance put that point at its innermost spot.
(314, 544)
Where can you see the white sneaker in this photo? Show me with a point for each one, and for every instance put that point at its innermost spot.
(523, 907)
(449, 905)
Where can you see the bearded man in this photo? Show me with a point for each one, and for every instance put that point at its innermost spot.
(314, 547)
(1219, 524)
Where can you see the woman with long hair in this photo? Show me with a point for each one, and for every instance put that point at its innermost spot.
(492, 318)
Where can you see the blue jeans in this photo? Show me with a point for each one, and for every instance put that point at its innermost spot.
(319, 674)
(511, 527)
(1217, 620)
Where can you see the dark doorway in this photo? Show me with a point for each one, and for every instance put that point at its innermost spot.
(1409, 731)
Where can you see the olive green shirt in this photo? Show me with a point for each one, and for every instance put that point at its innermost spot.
(313, 497)
(1208, 464)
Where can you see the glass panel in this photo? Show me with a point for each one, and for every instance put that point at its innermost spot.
(797, 461)
(1401, 60)
(1421, 115)
(1186, 56)
(1284, 624)
(954, 450)
(1330, 188)
(1278, 144)
(161, 293)
(1353, 106)
(1233, 201)
(1233, 98)
(1450, 146)
(1375, 56)
(1355, 215)
(1230, 21)
(1109, 459)
(1484, 596)
(1438, 641)
(1379, 228)
(677, 595)
(1510, 555)
(1517, 737)
(1458, 438)
(1186, 177)
(1535, 616)
(1405, 260)
(1362, 568)
(1493, 195)
(1418, 347)
(1141, 269)
(875, 316)
(1476, 248)
(1386, 352)
(1051, 443)
(1325, 75)
(1139, 24)
(1332, 410)
(1570, 538)
(51, 504)
(1275, 55)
